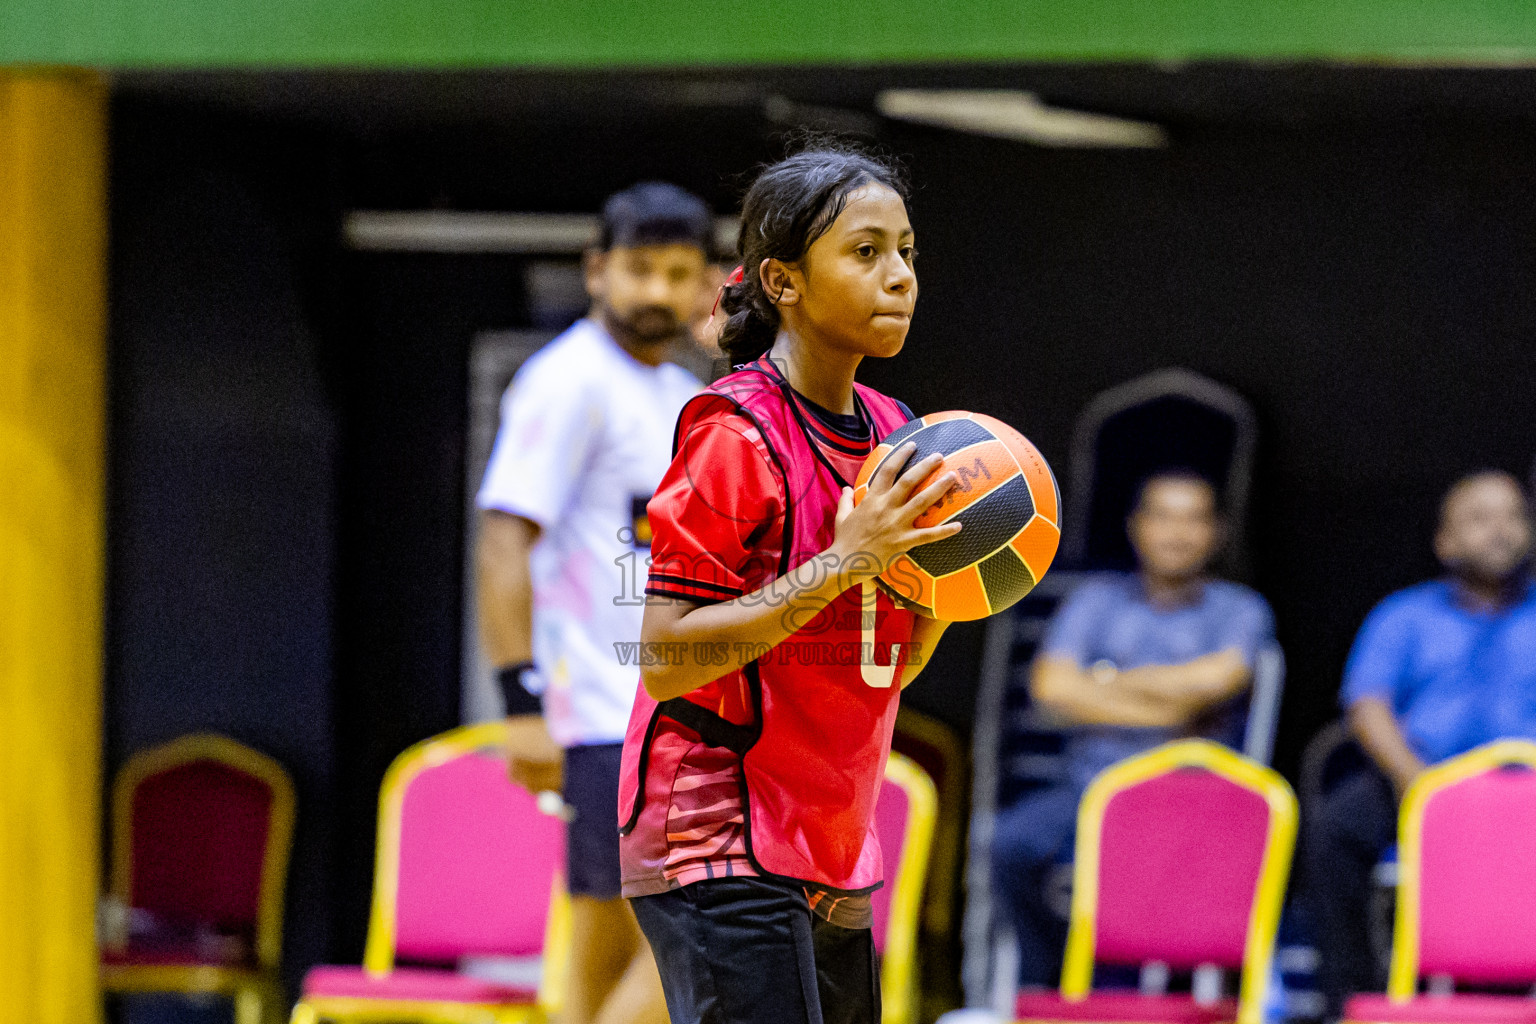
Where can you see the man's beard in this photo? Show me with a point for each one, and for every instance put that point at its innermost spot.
(1495, 572)
(648, 324)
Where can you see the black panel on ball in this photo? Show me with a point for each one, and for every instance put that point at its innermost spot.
(902, 432)
(1005, 578)
(948, 436)
(943, 437)
(986, 525)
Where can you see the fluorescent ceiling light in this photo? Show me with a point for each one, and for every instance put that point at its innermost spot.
(457, 231)
(1017, 115)
(468, 232)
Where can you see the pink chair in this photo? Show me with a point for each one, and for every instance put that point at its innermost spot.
(934, 748)
(904, 821)
(1466, 892)
(468, 870)
(201, 830)
(1182, 858)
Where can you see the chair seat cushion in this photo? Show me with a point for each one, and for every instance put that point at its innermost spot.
(1120, 1007)
(411, 983)
(1467, 1008)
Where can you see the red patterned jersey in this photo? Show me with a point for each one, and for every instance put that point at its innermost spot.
(741, 477)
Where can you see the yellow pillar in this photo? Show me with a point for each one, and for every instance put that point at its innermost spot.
(52, 460)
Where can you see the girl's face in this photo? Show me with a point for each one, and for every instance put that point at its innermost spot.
(854, 288)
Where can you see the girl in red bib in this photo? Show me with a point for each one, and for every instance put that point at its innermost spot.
(771, 662)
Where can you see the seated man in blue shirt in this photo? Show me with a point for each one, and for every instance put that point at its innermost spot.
(1437, 669)
(1130, 661)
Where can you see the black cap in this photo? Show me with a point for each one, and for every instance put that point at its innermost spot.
(655, 213)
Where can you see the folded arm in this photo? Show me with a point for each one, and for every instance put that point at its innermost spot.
(1154, 695)
(1194, 685)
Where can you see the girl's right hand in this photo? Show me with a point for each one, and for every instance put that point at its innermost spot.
(881, 526)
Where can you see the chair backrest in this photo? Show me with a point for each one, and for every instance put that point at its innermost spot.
(1466, 899)
(1182, 857)
(202, 828)
(467, 864)
(935, 748)
(1263, 716)
(1331, 756)
(1173, 417)
(904, 819)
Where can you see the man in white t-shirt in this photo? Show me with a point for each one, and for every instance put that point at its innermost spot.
(585, 436)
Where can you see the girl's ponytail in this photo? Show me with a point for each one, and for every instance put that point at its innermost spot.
(752, 321)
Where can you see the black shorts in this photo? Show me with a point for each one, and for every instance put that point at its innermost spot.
(749, 950)
(592, 835)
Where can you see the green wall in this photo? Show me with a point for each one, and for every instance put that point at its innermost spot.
(660, 33)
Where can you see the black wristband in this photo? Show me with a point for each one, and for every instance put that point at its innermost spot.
(520, 701)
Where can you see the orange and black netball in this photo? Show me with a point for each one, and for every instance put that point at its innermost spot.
(1007, 500)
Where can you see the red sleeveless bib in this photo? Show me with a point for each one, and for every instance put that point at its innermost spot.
(813, 729)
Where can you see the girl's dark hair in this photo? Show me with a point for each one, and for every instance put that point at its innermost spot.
(790, 205)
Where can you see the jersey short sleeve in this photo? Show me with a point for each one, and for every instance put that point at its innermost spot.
(547, 434)
(1078, 624)
(1379, 659)
(1245, 626)
(717, 518)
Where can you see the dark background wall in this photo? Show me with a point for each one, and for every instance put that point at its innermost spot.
(224, 469)
(1350, 250)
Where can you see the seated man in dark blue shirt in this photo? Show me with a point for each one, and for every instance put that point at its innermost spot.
(1437, 669)
(1130, 661)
